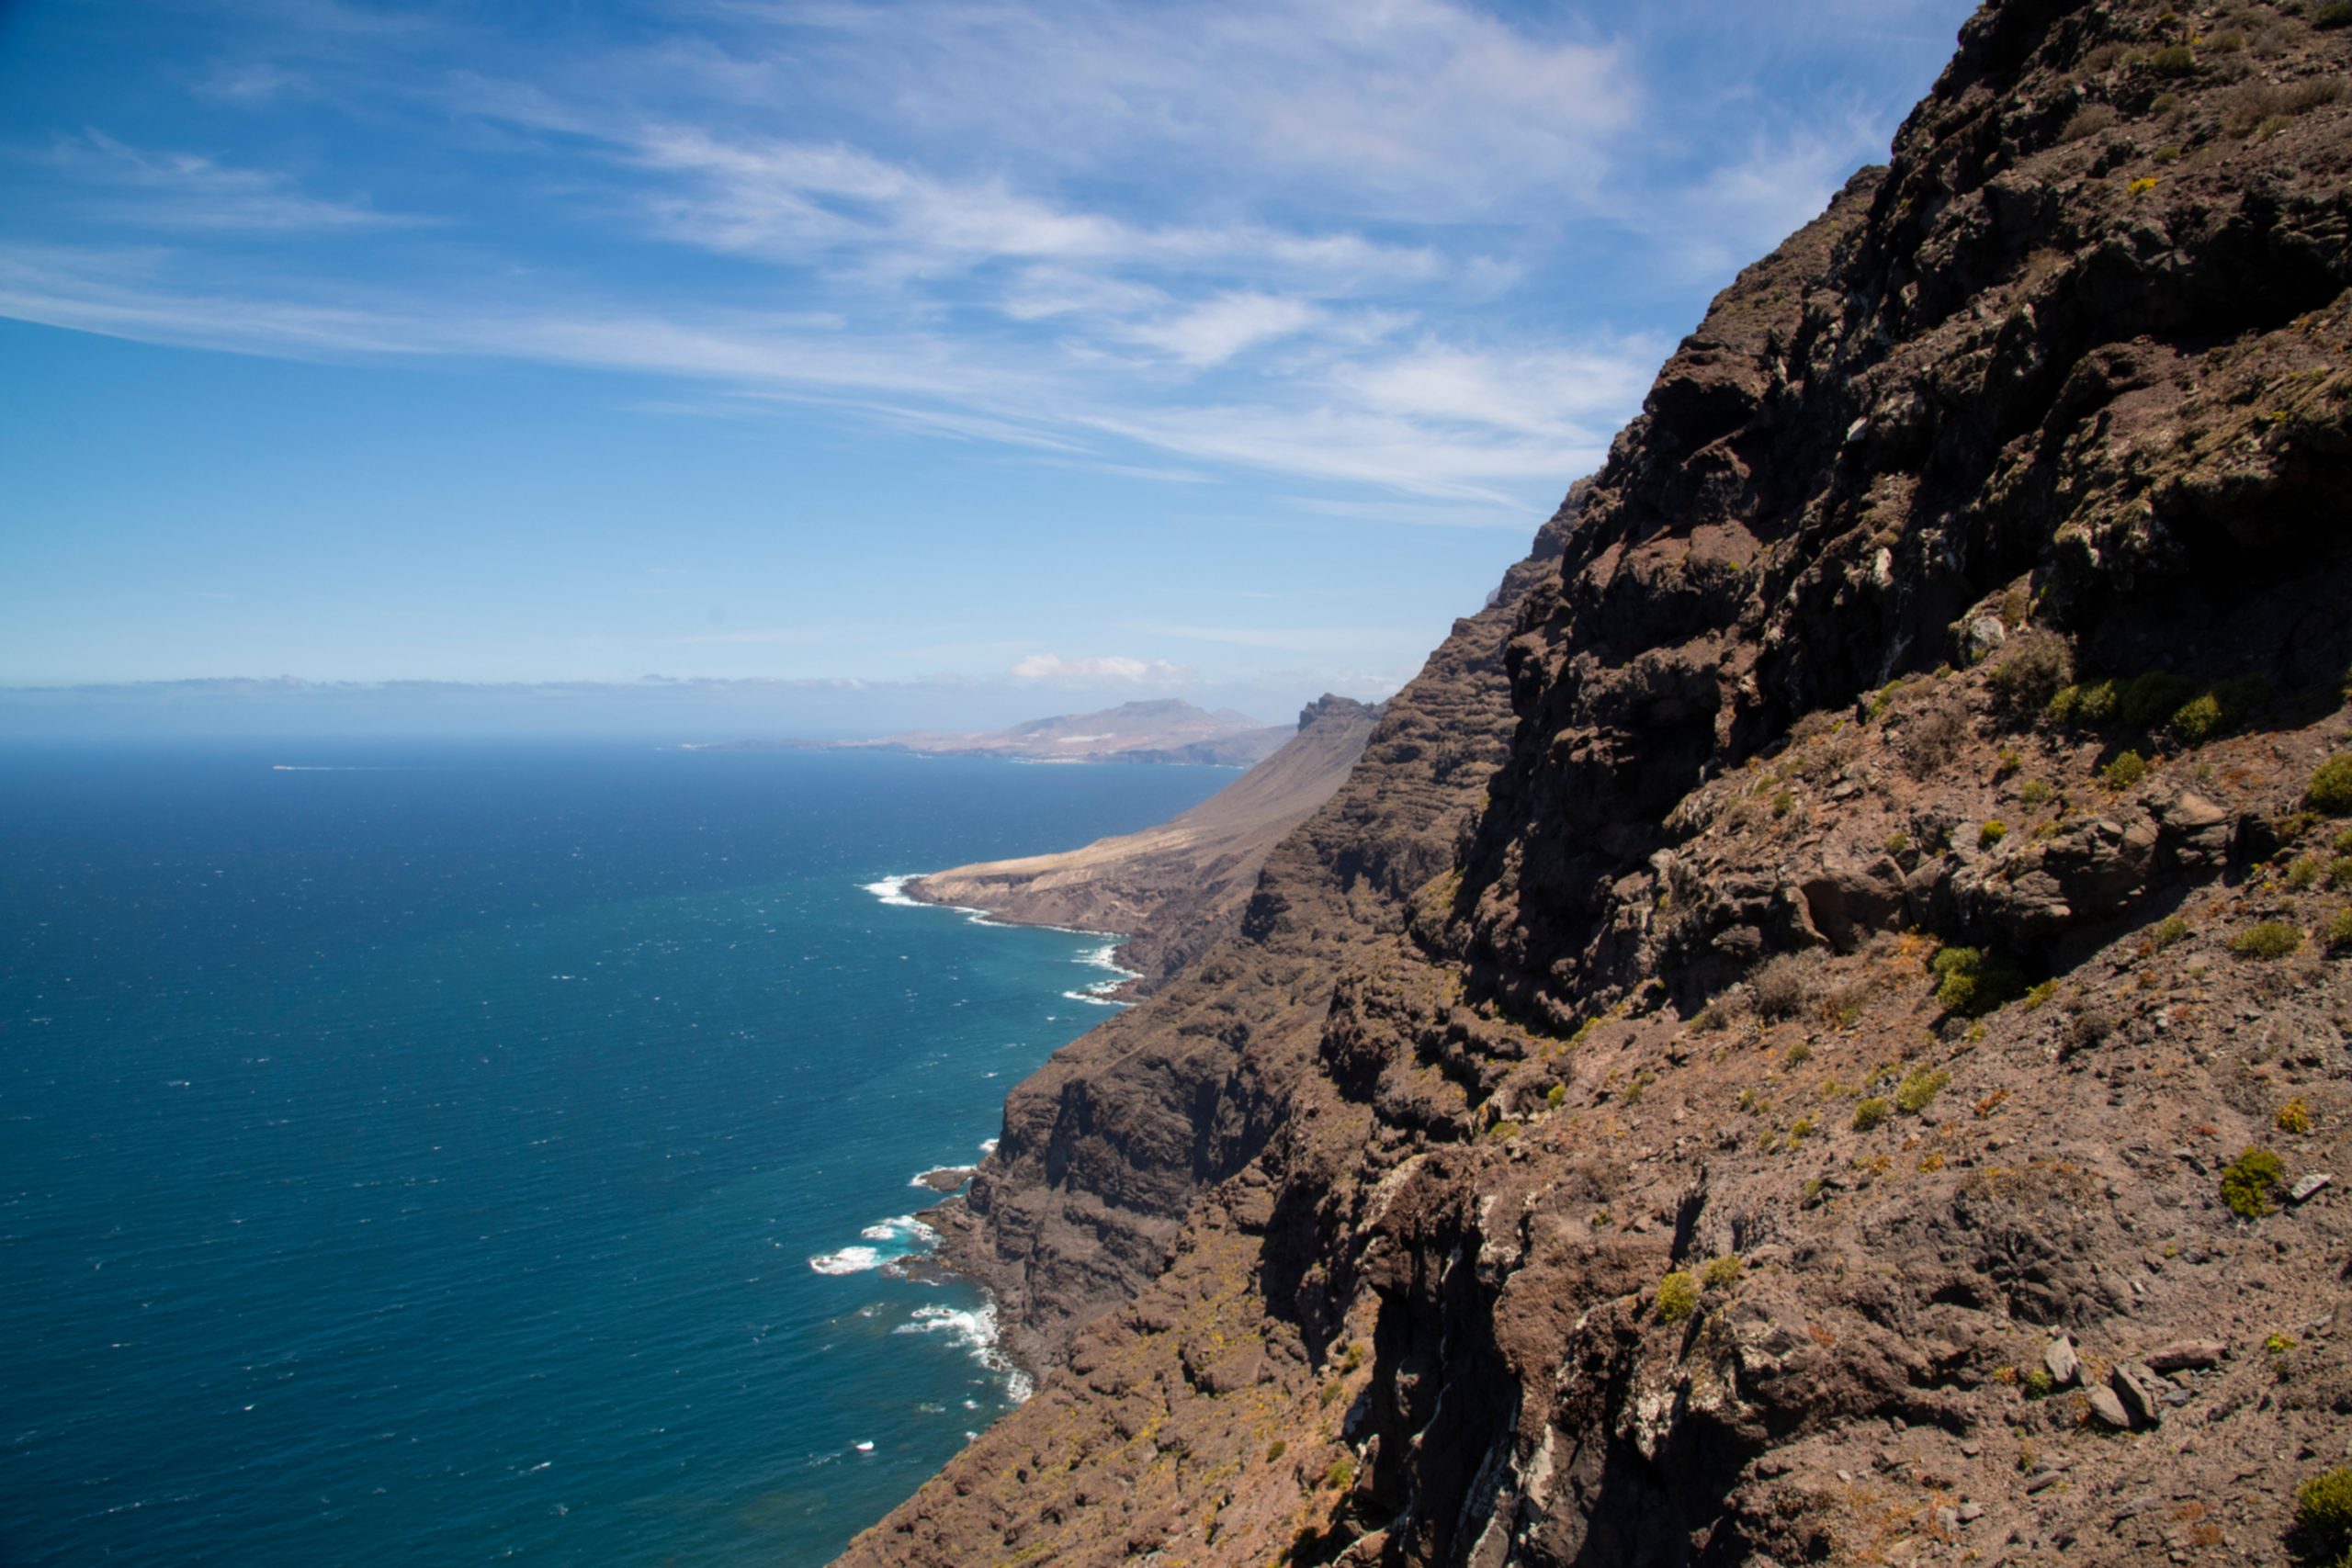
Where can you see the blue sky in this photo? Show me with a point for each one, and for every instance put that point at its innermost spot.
(973, 358)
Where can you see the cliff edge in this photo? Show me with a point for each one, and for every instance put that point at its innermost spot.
(1817, 1030)
(1176, 888)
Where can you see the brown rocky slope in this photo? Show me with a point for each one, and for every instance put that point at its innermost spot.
(1756, 1062)
(1176, 888)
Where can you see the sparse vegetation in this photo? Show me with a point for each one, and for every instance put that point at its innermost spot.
(2271, 939)
(1920, 1088)
(2250, 1183)
(1797, 1054)
(1898, 842)
(1991, 833)
(2339, 931)
(2330, 787)
(2173, 60)
(1722, 1273)
(2169, 930)
(1557, 1096)
(1973, 983)
(2037, 996)
(2035, 792)
(1870, 1112)
(2294, 1116)
(1275, 1450)
(1678, 1297)
(2035, 666)
(2323, 1504)
(2125, 771)
(1783, 802)
(1781, 987)
(1341, 1475)
(2154, 697)
(2038, 1384)
(2304, 876)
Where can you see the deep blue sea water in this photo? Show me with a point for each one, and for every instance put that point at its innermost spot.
(420, 1160)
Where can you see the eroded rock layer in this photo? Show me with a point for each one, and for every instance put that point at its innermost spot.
(1817, 1030)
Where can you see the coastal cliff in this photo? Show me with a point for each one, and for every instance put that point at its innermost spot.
(1818, 1028)
(1175, 889)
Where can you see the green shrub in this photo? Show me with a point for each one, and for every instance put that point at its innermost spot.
(2295, 1117)
(1557, 1096)
(1920, 1088)
(2125, 771)
(1869, 1113)
(1784, 801)
(1341, 1475)
(1991, 833)
(1723, 1273)
(2169, 930)
(2155, 697)
(2339, 931)
(2271, 939)
(2331, 787)
(2304, 876)
(2099, 702)
(2250, 1183)
(2338, 14)
(1797, 1054)
(2036, 791)
(2323, 1504)
(2173, 60)
(2038, 1383)
(2039, 996)
(1973, 983)
(2198, 720)
(1276, 1449)
(1898, 842)
(1678, 1297)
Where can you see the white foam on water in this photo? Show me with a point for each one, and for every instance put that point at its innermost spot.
(848, 1260)
(988, 1145)
(904, 1230)
(976, 1330)
(892, 890)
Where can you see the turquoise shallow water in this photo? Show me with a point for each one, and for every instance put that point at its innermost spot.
(421, 1159)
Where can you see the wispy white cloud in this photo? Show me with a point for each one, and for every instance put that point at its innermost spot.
(1113, 669)
(189, 190)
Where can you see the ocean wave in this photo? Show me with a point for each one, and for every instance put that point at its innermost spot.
(883, 1242)
(1092, 1001)
(848, 1260)
(892, 890)
(904, 1231)
(976, 1330)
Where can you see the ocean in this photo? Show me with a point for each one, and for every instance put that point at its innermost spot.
(461, 1153)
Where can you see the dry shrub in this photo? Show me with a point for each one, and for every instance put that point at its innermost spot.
(1932, 741)
(1782, 987)
(2260, 106)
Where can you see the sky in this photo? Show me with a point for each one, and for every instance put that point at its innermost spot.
(774, 367)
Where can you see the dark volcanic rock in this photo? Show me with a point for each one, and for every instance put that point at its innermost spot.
(1659, 1109)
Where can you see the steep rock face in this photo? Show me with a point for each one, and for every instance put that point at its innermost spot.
(1174, 890)
(1104, 1148)
(1791, 1108)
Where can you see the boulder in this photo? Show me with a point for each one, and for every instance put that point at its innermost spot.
(2064, 1366)
(2141, 1392)
(2186, 1354)
(2108, 1410)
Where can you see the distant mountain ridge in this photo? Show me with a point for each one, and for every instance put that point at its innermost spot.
(1166, 729)
(1176, 888)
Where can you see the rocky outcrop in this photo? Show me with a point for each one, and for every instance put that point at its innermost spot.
(1176, 889)
(1856, 911)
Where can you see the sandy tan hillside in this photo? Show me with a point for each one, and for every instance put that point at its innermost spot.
(1176, 888)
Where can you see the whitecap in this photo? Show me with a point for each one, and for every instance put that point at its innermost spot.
(893, 890)
(904, 1229)
(976, 1330)
(848, 1260)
